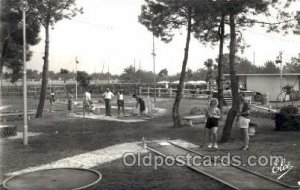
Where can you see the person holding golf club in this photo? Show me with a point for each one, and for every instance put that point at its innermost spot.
(213, 115)
(140, 102)
(243, 120)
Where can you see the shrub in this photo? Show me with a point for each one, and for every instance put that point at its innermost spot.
(7, 131)
(289, 110)
(285, 122)
(287, 119)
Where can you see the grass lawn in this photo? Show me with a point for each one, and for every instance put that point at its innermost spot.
(63, 137)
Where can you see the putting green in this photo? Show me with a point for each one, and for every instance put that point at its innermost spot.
(53, 179)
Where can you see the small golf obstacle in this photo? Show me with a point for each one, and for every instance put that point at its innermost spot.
(54, 179)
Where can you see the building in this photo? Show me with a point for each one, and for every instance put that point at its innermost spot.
(269, 83)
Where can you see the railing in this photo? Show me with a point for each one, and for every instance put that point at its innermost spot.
(171, 92)
(32, 91)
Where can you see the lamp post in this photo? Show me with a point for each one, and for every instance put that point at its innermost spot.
(24, 7)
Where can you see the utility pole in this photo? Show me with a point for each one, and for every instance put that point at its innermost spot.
(139, 71)
(108, 73)
(76, 62)
(254, 58)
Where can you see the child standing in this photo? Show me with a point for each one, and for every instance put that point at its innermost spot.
(213, 116)
(243, 120)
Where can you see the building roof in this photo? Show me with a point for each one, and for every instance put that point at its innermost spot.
(265, 74)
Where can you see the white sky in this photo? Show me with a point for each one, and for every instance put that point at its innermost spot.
(109, 32)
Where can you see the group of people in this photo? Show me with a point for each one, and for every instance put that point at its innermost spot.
(213, 115)
(89, 107)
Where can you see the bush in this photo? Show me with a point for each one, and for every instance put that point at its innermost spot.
(289, 110)
(7, 131)
(286, 122)
(287, 119)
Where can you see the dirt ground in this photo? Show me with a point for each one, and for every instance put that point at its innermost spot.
(63, 136)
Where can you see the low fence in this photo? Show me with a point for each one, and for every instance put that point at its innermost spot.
(171, 92)
(62, 90)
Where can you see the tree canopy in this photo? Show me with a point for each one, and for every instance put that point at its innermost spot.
(11, 37)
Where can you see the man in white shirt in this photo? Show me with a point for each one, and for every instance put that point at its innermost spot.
(120, 102)
(107, 97)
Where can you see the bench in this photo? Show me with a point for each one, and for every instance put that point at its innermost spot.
(192, 118)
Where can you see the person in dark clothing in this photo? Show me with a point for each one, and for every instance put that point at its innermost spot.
(71, 103)
(141, 102)
(52, 100)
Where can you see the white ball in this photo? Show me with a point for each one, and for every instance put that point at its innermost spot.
(298, 182)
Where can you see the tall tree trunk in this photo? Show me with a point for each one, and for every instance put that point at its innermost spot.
(3, 54)
(45, 76)
(175, 109)
(233, 79)
(220, 64)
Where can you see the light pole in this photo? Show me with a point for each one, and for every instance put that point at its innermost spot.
(24, 7)
(76, 62)
(154, 77)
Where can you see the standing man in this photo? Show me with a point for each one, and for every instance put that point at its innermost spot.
(107, 97)
(120, 102)
(86, 102)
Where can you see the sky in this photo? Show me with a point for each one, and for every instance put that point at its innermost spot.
(108, 36)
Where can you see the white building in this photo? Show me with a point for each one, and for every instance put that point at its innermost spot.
(269, 83)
